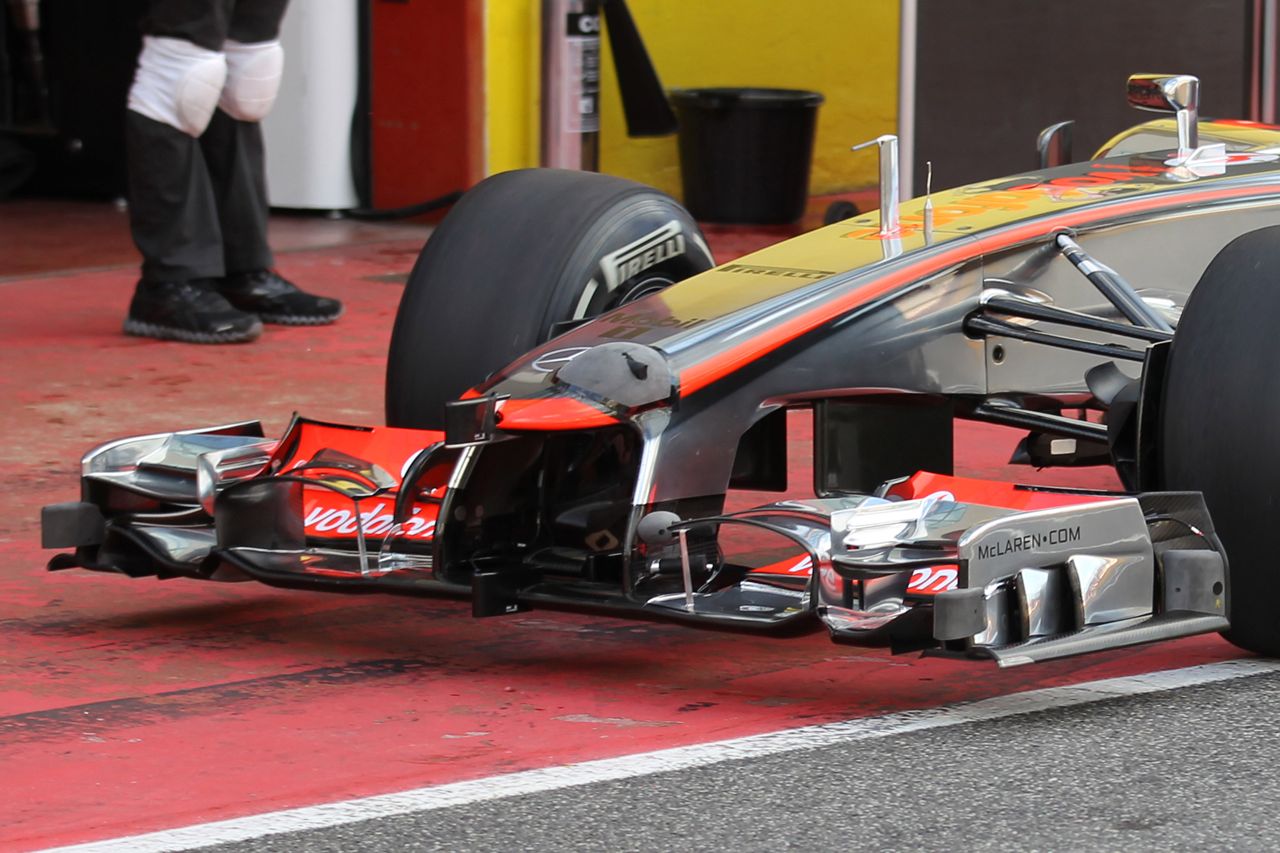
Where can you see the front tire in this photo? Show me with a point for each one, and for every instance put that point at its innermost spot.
(1221, 406)
(519, 259)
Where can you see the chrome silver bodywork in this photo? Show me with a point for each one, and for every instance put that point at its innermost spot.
(166, 466)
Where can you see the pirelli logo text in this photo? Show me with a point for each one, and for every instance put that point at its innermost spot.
(780, 272)
(657, 246)
(1028, 542)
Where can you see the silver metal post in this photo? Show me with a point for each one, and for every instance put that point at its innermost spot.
(364, 552)
(889, 177)
(1268, 64)
(928, 202)
(685, 570)
(571, 84)
(907, 30)
(1188, 132)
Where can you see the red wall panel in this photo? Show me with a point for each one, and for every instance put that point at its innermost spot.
(426, 98)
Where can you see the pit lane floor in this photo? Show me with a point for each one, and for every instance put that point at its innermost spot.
(131, 706)
(1126, 763)
(1148, 772)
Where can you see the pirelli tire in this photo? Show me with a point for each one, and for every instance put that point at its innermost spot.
(520, 257)
(1220, 409)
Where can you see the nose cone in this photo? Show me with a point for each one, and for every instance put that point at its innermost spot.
(624, 376)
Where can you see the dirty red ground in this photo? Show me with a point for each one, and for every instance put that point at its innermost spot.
(127, 706)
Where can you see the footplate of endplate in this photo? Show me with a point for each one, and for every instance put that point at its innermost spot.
(1053, 583)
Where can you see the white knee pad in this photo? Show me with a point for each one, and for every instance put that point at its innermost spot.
(253, 78)
(177, 83)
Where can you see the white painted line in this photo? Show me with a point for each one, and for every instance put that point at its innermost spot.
(676, 758)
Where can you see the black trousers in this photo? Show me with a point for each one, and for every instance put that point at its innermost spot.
(198, 207)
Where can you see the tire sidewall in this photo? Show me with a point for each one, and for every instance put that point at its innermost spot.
(511, 265)
(644, 241)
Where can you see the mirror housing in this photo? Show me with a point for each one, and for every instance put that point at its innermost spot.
(1175, 93)
(1053, 145)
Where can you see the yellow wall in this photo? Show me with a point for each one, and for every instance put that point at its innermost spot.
(511, 84)
(846, 49)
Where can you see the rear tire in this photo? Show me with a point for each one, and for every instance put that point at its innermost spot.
(519, 254)
(1222, 395)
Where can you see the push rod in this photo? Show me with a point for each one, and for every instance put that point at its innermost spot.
(1109, 282)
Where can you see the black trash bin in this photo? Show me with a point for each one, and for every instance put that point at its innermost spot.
(745, 153)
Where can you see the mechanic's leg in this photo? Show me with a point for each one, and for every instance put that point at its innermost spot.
(233, 152)
(171, 209)
(173, 214)
(233, 149)
(233, 144)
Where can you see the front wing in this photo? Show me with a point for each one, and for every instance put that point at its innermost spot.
(943, 564)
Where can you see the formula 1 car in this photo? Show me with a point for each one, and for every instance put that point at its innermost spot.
(573, 388)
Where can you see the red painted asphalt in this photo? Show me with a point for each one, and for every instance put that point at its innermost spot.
(127, 706)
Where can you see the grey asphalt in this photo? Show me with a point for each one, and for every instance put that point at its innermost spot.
(1191, 769)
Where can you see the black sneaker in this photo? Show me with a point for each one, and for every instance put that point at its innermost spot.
(275, 300)
(190, 311)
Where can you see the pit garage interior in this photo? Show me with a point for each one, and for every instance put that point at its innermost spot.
(131, 708)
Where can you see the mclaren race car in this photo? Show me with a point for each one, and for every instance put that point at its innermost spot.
(573, 388)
